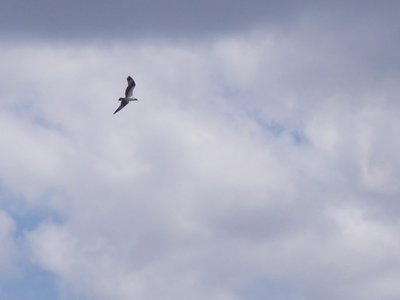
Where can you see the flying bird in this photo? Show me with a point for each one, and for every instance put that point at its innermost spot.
(128, 94)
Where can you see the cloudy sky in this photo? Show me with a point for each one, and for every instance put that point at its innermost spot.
(262, 160)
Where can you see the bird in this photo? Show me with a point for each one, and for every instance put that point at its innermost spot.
(128, 94)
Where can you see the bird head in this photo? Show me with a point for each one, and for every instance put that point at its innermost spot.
(120, 99)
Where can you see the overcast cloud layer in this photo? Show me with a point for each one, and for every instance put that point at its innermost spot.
(126, 20)
(261, 161)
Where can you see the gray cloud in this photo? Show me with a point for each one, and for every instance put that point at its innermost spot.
(129, 20)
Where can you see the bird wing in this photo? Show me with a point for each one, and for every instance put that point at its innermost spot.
(130, 87)
(122, 105)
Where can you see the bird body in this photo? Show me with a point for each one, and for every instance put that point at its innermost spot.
(128, 94)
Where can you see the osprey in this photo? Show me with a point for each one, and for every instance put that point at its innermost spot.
(128, 94)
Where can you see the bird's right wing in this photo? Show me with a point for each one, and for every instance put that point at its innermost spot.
(130, 87)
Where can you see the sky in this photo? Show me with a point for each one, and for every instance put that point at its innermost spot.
(261, 161)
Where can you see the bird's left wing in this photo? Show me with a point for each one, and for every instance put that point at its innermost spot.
(123, 104)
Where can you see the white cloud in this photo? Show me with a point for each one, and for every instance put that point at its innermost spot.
(189, 193)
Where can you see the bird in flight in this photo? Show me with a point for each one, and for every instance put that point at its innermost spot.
(128, 94)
